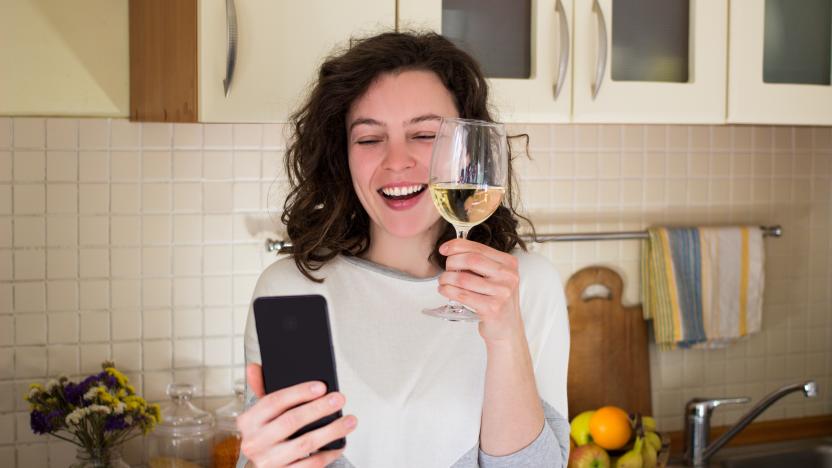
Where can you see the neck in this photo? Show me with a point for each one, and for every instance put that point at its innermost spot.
(410, 255)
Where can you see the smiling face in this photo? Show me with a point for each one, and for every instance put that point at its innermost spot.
(390, 131)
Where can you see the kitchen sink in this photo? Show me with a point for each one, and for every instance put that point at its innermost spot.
(814, 457)
(805, 453)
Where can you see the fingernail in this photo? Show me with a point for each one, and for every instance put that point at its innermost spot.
(350, 421)
(443, 249)
(317, 388)
(333, 400)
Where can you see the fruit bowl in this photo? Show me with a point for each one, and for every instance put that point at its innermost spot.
(664, 454)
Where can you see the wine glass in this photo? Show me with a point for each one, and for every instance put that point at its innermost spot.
(468, 176)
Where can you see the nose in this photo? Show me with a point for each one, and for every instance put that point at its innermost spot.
(398, 156)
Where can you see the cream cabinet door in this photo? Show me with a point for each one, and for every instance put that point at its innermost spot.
(779, 71)
(280, 46)
(64, 58)
(624, 75)
(543, 93)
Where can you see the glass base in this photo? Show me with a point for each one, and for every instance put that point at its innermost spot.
(454, 312)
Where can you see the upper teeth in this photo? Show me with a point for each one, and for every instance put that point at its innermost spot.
(399, 191)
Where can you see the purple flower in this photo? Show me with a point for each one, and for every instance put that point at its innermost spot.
(56, 419)
(115, 423)
(110, 381)
(39, 422)
(74, 394)
(86, 383)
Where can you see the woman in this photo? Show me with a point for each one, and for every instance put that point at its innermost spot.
(367, 237)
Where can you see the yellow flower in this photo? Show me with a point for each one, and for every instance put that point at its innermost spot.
(156, 412)
(120, 378)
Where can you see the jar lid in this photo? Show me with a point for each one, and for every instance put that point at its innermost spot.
(227, 414)
(180, 417)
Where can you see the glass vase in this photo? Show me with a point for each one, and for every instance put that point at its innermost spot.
(109, 457)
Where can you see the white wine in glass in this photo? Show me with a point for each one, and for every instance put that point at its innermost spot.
(468, 175)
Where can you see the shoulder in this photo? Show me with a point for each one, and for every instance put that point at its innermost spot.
(540, 282)
(536, 269)
(284, 277)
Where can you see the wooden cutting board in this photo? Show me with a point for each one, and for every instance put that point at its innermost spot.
(608, 360)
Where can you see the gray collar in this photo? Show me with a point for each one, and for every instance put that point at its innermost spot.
(386, 271)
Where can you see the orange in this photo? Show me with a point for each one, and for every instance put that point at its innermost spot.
(610, 427)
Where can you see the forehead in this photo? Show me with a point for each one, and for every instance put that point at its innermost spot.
(401, 96)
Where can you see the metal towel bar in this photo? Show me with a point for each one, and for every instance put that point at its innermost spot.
(279, 246)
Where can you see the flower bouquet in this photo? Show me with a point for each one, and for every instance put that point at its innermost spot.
(97, 414)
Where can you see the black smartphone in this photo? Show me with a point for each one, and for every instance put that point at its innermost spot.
(295, 347)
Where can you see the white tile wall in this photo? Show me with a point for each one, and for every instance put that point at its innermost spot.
(137, 242)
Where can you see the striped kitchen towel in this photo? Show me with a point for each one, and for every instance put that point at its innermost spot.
(702, 287)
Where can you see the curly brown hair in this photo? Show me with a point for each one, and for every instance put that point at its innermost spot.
(322, 213)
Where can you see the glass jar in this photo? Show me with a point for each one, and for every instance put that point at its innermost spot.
(226, 448)
(183, 438)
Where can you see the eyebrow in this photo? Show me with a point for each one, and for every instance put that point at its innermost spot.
(364, 121)
(425, 117)
(369, 121)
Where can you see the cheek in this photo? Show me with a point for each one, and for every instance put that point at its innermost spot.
(360, 172)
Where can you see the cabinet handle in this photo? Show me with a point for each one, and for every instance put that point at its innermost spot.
(564, 48)
(231, 44)
(601, 56)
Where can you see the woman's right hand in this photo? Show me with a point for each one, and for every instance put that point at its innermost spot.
(267, 425)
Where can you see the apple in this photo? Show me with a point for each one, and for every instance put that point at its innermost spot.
(589, 456)
(579, 429)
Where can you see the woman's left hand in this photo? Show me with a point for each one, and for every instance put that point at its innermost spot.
(486, 280)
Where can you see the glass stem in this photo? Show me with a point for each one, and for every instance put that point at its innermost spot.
(461, 233)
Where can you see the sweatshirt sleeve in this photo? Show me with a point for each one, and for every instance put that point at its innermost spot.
(549, 449)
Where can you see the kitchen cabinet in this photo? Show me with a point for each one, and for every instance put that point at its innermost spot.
(632, 60)
(779, 68)
(539, 87)
(185, 66)
(650, 61)
(64, 58)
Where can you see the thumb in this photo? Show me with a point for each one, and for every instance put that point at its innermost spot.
(254, 378)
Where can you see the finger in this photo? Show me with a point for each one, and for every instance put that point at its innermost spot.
(479, 303)
(471, 282)
(457, 246)
(314, 440)
(477, 263)
(291, 421)
(276, 403)
(323, 458)
(254, 379)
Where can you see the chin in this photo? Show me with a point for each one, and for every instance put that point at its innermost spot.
(406, 230)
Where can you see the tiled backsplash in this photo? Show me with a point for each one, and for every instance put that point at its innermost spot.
(142, 242)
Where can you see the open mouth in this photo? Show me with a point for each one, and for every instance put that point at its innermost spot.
(402, 192)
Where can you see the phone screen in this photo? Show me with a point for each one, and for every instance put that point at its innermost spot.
(296, 346)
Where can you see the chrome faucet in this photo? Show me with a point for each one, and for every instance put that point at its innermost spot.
(698, 421)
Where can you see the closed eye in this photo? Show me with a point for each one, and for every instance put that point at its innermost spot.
(425, 136)
(368, 141)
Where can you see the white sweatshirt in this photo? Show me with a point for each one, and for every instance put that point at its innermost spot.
(416, 382)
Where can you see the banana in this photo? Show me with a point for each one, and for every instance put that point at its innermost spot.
(653, 440)
(648, 423)
(649, 456)
(633, 458)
